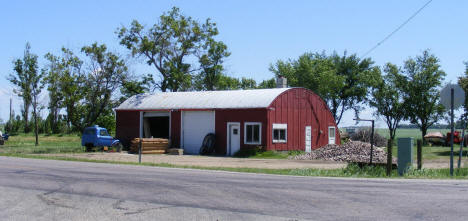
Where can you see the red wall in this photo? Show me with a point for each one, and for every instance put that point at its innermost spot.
(224, 116)
(127, 126)
(298, 108)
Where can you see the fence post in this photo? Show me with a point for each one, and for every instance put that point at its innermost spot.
(389, 158)
(419, 154)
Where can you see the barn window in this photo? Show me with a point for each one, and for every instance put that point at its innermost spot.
(280, 133)
(252, 133)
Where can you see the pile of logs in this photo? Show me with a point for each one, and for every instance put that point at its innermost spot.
(149, 145)
(353, 151)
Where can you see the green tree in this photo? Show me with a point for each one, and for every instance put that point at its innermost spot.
(167, 45)
(342, 81)
(53, 72)
(24, 69)
(247, 83)
(271, 83)
(228, 83)
(421, 90)
(65, 83)
(387, 98)
(132, 87)
(211, 64)
(106, 73)
(463, 82)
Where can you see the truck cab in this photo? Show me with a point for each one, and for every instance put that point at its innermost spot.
(96, 136)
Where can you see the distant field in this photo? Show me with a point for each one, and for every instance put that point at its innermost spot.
(24, 143)
(415, 133)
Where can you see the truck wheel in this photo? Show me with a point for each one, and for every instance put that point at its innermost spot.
(118, 147)
(89, 147)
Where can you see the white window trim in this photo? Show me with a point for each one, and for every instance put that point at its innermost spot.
(279, 126)
(259, 133)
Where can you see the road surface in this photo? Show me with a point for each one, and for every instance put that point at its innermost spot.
(33, 189)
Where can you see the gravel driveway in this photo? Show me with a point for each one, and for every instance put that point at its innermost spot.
(210, 161)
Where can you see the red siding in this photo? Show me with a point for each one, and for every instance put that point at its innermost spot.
(299, 108)
(222, 117)
(175, 129)
(127, 126)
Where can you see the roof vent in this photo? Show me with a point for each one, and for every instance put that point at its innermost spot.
(281, 82)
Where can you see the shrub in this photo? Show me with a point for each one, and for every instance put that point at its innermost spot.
(364, 135)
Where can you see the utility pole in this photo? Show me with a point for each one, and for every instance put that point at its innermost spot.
(11, 112)
(371, 138)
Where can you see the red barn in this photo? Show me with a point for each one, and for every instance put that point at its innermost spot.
(280, 119)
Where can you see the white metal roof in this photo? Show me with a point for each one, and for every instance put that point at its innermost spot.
(256, 98)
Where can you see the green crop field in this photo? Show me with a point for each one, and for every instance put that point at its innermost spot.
(415, 133)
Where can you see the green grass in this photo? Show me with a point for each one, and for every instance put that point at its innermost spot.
(429, 152)
(351, 170)
(25, 143)
(256, 153)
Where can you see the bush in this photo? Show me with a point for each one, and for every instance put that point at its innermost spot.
(364, 135)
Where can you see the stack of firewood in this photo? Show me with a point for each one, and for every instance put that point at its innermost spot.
(149, 145)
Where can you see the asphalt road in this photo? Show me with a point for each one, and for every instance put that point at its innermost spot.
(60, 190)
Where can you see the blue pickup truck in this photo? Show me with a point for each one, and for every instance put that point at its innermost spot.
(96, 136)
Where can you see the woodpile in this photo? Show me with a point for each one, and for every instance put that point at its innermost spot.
(149, 145)
(175, 151)
(353, 151)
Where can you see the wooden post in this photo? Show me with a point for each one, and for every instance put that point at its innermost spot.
(389, 158)
(419, 155)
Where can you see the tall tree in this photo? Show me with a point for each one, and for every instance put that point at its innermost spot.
(387, 98)
(65, 85)
(271, 83)
(211, 63)
(52, 75)
(342, 81)
(167, 45)
(106, 73)
(36, 87)
(421, 90)
(248, 83)
(463, 82)
(24, 69)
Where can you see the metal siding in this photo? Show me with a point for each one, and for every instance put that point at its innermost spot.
(233, 99)
(223, 116)
(294, 108)
(127, 126)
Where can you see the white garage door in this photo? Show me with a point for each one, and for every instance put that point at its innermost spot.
(196, 125)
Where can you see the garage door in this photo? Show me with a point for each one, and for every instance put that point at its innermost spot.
(196, 125)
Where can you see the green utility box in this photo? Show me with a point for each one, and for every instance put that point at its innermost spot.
(405, 154)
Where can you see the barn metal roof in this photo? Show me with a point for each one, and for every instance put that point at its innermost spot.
(233, 99)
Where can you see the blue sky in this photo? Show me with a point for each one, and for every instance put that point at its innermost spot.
(256, 32)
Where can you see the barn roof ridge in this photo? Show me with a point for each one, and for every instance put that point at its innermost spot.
(250, 98)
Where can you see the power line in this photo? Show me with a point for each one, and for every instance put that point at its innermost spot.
(397, 29)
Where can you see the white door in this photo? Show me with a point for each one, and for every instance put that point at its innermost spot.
(195, 126)
(233, 139)
(308, 139)
(331, 135)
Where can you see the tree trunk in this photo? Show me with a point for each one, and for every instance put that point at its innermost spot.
(26, 118)
(424, 132)
(35, 125)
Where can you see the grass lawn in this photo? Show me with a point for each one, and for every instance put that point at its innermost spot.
(429, 152)
(24, 143)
